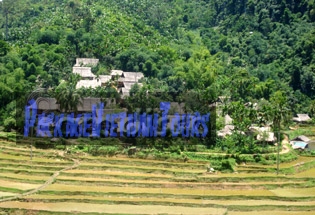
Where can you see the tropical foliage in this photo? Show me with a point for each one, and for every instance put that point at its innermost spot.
(248, 50)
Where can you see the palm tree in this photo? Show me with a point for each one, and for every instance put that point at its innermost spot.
(67, 96)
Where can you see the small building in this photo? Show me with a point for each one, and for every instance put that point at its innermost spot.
(266, 137)
(131, 77)
(124, 92)
(264, 134)
(300, 142)
(227, 130)
(301, 118)
(86, 104)
(47, 104)
(84, 72)
(126, 80)
(299, 145)
(104, 79)
(301, 138)
(115, 73)
(88, 84)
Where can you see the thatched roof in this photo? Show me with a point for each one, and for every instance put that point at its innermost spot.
(128, 85)
(131, 77)
(116, 72)
(124, 92)
(86, 104)
(88, 83)
(264, 133)
(301, 138)
(301, 118)
(104, 78)
(228, 120)
(266, 136)
(260, 129)
(84, 72)
(86, 62)
(227, 130)
(47, 104)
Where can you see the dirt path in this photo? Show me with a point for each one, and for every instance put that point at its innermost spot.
(285, 147)
(48, 182)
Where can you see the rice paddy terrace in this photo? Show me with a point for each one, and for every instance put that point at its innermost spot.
(54, 183)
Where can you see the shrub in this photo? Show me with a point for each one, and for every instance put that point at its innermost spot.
(60, 147)
(201, 148)
(9, 123)
(104, 150)
(49, 37)
(228, 165)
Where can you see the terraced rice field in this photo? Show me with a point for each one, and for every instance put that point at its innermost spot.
(54, 183)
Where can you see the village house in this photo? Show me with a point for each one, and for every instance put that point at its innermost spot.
(300, 142)
(125, 80)
(302, 118)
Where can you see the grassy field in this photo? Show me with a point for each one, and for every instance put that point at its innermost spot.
(121, 185)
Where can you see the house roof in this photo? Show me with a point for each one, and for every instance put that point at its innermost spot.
(131, 77)
(104, 78)
(88, 83)
(124, 91)
(84, 72)
(228, 120)
(128, 85)
(116, 72)
(270, 137)
(301, 118)
(301, 138)
(227, 130)
(86, 62)
(86, 103)
(299, 145)
(260, 129)
(47, 104)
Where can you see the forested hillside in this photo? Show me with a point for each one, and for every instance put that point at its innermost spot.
(245, 49)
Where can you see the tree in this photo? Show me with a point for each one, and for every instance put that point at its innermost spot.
(312, 109)
(4, 48)
(243, 116)
(243, 84)
(9, 7)
(279, 112)
(66, 94)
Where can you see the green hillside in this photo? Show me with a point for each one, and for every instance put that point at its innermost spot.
(245, 49)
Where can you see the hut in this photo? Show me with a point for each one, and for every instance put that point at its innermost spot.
(300, 142)
(302, 138)
(46, 104)
(88, 83)
(302, 118)
(84, 72)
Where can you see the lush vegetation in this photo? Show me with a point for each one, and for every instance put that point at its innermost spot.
(249, 50)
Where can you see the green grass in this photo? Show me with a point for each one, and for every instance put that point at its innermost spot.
(11, 190)
(307, 130)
